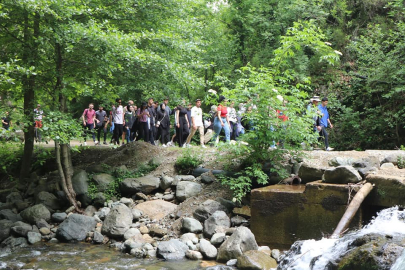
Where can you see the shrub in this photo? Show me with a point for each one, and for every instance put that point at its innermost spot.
(188, 161)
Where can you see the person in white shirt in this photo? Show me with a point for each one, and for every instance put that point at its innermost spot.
(119, 121)
(196, 123)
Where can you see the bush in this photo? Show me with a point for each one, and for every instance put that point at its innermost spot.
(188, 161)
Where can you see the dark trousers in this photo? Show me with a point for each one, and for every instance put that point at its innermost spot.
(118, 129)
(99, 129)
(143, 128)
(152, 132)
(164, 134)
(87, 128)
(182, 132)
(324, 135)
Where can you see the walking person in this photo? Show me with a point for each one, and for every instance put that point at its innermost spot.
(196, 123)
(232, 119)
(152, 117)
(119, 121)
(143, 115)
(182, 125)
(221, 121)
(163, 124)
(89, 116)
(38, 115)
(101, 123)
(129, 121)
(323, 123)
(209, 124)
(6, 121)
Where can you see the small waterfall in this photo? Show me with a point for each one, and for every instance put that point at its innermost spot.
(324, 253)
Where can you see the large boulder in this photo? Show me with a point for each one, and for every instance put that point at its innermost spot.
(191, 225)
(172, 250)
(35, 213)
(14, 243)
(166, 182)
(240, 241)
(156, 209)
(309, 173)
(75, 228)
(207, 208)
(5, 228)
(367, 162)
(20, 228)
(145, 184)
(393, 158)
(218, 222)
(187, 189)
(340, 161)
(80, 183)
(208, 250)
(10, 215)
(48, 199)
(103, 180)
(342, 175)
(117, 222)
(14, 197)
(256, 260)
(178, 178)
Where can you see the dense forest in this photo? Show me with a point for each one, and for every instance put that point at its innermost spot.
(65, 54)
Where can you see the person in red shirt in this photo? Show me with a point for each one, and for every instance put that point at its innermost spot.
(221, 120)
(89, 115)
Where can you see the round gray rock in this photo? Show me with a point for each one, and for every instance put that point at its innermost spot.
(103, 180)
(33, 237)
(59, 217)
(208, 250)
(36, 212)
(145, 184)
(191, 225)
(80, 182)
(172, 250)
(240, 241)
(118, 221)
(75, 228)
(342, 175)
(187, 189)
(207, 208)
(217, 222)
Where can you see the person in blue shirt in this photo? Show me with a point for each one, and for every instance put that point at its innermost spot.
(323, 123)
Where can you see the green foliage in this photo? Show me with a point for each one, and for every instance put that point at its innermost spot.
(10, 157)
(401, 162)
(61, 127)
(41, 155)
(188, 161)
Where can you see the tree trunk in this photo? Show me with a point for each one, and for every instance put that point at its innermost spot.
(64, 182)
(352, 209)
(29, 58)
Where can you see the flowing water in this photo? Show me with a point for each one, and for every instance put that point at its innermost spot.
(316, 254)
(85, 256)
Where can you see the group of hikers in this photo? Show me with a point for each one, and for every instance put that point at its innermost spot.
(151, 122)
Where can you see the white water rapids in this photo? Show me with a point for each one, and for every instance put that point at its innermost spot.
(389, 221)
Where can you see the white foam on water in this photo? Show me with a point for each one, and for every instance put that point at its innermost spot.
(389, 221)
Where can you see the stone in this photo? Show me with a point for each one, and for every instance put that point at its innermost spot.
(59, 217)
(216, 223)
(118, 221)
(188, 237)
(33, 237)
(232, 262)
(220, 267)
(276, 254)
(191, 225)
(244, 211)
(75, 228)
(127, 201)
(309, 173)
(157, 231)
(367, 170)
(90, 211)
(96, 168)
(208, 250)
(98, 238)
(103, 180)
(265, 249)
(36, 212)
(240, 241)
(14, 197)
(136, 213)
(156, 209)
(168, 197)
(103, 212)
(340, 161)
(172, 250)
(187, 189)
(5, 229)
(131, 233)
(48, 199)
(45, 231)
(393, 158)
(207, 179)
(255, 260)
(99, 199)
(194, 255)
(178, 178)
(14, 243)
(122, 169)
(218, 238)
(9, 215)
(206, 209)
(387, 165)
(229, 205)
(236, 221)
(165, 182)
(21, 229)
(80, 183)
(146, 184)
(144, 230)
(370, 161)
(42, 223)
(342, 175)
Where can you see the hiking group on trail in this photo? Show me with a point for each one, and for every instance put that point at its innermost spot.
(151, 122)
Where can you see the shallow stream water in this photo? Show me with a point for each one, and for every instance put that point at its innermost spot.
(86, 256)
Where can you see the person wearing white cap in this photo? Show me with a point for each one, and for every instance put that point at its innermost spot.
(312, 108)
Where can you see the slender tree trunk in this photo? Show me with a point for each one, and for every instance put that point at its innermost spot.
(29, 58)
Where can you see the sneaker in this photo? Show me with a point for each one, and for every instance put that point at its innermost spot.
(85, 143)
(169, 143)
(184, 145)
(188, 145)
(203, 146)
(95, 142)
(122, 143)
(164, 145)
(105, 143)
(329, 149)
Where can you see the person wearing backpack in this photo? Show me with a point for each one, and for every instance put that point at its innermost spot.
(89, 116)
(101, 123)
